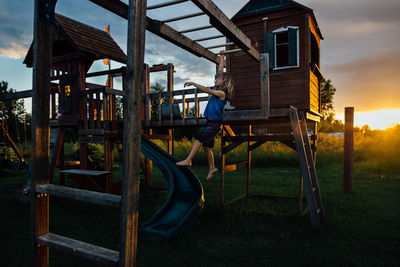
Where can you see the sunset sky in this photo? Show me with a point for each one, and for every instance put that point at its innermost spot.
(360, 52)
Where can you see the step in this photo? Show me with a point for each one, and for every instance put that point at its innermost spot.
(85, 172)
(80, 195)
(85, 250)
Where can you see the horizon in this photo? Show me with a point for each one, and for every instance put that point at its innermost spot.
(364, 70)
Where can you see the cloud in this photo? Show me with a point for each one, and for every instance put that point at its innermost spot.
(356, 10)
(370, 83)
(14, 50)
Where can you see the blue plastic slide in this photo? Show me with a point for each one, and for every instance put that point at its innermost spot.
(185, 195)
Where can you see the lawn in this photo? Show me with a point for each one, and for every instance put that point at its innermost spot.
(362, 229)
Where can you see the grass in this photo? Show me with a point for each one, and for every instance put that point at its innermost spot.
(362, 229)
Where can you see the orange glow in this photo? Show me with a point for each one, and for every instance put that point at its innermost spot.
(379, 119)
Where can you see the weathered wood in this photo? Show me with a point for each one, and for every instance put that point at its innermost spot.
(195, 29)
(184, 17)
(42, 48)
(87, 196)
(15, 95)
(132, 132)
(166, 4)
(249, 133)
(161, 29)
(106, 72)
(220, 21)
(85, 172)
(231, 146)
(264, 72)
(348, 150)
(209, 38)
(85, 250)
(235, 166)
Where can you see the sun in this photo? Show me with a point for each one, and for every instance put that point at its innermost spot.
(379, 119)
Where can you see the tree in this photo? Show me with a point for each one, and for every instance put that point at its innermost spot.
(14, 115)
(155, 102)
(327, 93)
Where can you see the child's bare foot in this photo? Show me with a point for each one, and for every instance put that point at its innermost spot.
(183, 163)
(211, 173)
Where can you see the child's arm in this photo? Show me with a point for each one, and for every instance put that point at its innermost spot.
(218, 93)
(221, 62)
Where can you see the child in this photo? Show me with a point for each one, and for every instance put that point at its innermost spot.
(213, 113)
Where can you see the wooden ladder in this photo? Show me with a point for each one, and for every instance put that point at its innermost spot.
(46, 239)
(307, 167)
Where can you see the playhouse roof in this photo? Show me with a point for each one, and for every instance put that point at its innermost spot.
(90, 41)
(257, 6)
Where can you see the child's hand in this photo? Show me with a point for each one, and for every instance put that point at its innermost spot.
(222, 52)
(188, 84)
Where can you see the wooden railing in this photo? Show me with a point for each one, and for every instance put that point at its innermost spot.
(99, 110)
(176, 107)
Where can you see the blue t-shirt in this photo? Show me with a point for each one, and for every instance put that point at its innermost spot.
(214, 108)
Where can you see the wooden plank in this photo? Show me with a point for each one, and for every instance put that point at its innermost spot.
(220, 21)
(15, 95)
(87, 196)
(85, 172)
(231, 146)
(348, 150)
(166, 4)
(164, 31)
(85, 250)
(130, 184)
(264, 81)
(235, 166)
(42, 51)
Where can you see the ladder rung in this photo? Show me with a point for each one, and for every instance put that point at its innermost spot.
(85, 250)
(184, 17)
(80, 195)
(166, 4)
(85, 172)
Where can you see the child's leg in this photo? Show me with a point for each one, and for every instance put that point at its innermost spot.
(210, 159)
(193, 152)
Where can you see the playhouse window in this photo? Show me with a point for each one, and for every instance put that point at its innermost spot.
(282, 46)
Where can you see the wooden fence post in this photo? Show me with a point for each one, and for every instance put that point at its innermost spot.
(348, 150)
(132, 132)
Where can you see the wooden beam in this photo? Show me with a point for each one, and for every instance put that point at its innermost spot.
(161, 29)
(15, 95)
(41, 83)
(220, 21)
(166, 4)
(132, 131)
(264, 81)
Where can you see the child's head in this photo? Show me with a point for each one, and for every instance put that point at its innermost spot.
(225, 83)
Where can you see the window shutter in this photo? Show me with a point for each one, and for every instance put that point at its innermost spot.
(292, 37)
(269, 48)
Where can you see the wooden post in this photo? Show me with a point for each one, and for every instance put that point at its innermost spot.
(132, 132)
(42, 51)
(170, 81)
(348, 149)
(148, 164)
(248, 162)
(264, 71)
(222, 168)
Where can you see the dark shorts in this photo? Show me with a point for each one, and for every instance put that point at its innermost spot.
(209, 132)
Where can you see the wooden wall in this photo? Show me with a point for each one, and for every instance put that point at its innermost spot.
(288, 87)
